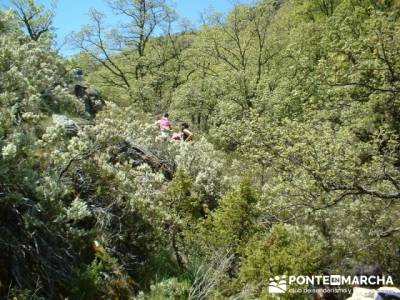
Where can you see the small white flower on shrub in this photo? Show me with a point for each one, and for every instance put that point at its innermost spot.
(9, 151)
(78, 210)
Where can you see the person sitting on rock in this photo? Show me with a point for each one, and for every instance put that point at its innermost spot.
(187, 135)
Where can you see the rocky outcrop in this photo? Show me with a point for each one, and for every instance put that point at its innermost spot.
(69, 125)
(126, 150)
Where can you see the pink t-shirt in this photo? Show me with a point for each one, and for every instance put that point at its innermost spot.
(164, 123)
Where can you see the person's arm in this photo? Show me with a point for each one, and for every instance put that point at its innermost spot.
(189, 134)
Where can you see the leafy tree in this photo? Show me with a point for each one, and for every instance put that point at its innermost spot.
(35, 18)
(294, 165)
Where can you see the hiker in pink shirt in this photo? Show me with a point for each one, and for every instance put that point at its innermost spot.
(165, 126)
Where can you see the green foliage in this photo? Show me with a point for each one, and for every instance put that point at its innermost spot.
(169, 289)
(230, 225)
(294, 166)
(23, 295)
(87, 282)
(285, 250)
(35, 19)
(179, 197)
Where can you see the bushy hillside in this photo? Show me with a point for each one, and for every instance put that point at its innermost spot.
(294, 167)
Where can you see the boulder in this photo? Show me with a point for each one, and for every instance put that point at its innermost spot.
(69, 125)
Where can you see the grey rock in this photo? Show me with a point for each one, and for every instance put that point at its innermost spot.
(69, 125)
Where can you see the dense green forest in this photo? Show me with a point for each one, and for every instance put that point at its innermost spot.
(294, 167)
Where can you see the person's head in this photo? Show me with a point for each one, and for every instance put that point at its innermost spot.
(367, 270)
(78, 71)
(323, 294)
(165, 115)
(184, 126)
